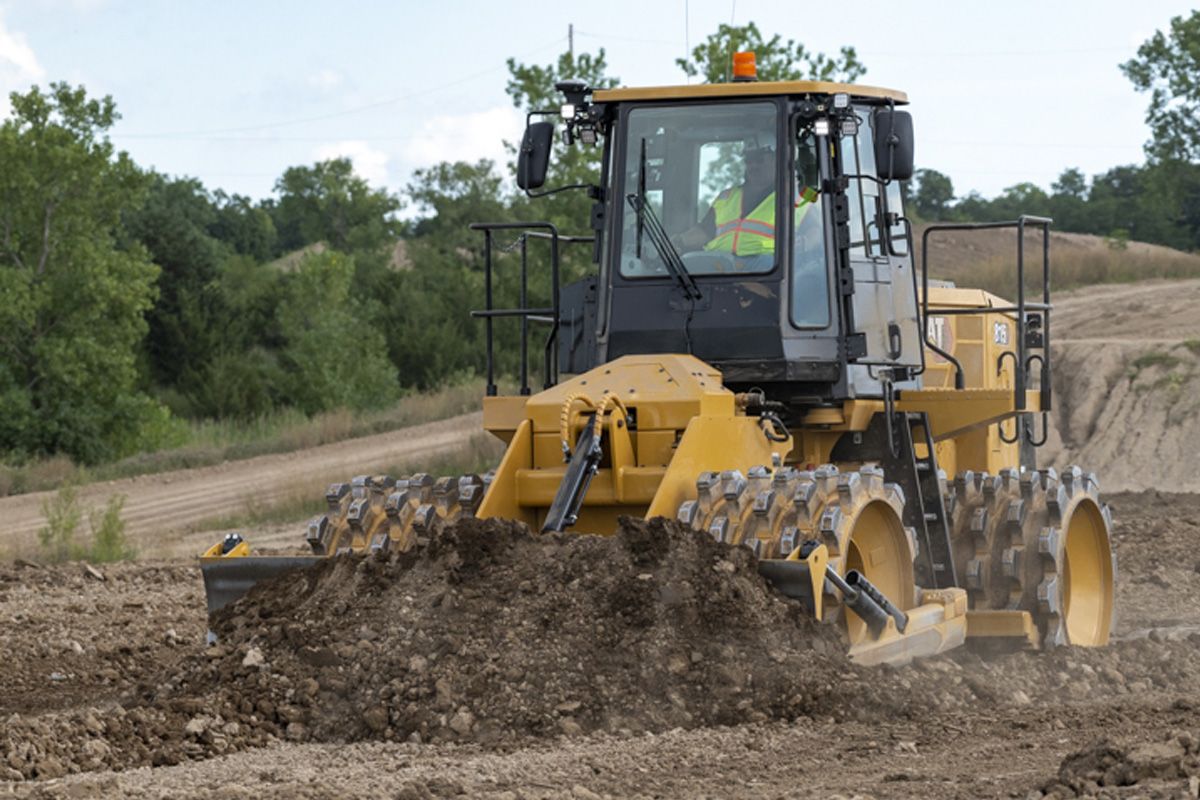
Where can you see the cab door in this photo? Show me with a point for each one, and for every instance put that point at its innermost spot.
(884, 300)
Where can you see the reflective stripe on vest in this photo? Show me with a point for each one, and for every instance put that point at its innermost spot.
(752, 235)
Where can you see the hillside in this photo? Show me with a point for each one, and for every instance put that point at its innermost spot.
(987, 259)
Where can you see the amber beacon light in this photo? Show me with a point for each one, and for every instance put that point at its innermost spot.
(744, 68)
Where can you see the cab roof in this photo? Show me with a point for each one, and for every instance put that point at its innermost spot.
(746, 89)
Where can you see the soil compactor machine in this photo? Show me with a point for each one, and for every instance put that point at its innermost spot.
(786, 380)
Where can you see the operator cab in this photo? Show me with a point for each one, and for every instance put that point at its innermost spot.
(755, 225)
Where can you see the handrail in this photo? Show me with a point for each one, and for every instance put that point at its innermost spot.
(551, 315)
(1021, 309)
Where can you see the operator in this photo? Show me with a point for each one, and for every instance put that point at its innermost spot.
(741, 220)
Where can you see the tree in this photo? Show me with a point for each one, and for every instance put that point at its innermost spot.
(1167, 66)
(1068, 201)
(452, 196)
(72, 300)
(776, 59)
(334, 356)
(243, 226)
(328, 203)
(933, 194)
(173, 224)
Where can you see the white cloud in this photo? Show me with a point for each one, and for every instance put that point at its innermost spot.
(465, 137)
(326, 80)
(19, 67)
(368, 163)
(18, 64)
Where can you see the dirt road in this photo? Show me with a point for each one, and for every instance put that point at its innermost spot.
(162, 511)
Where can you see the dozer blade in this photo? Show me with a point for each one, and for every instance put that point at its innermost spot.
(799, 578)
(227, 579)
(792, 578)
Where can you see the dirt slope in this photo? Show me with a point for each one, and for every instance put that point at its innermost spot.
(161, 509)
(1127, 385)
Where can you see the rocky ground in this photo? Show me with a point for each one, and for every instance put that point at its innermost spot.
(651, 664)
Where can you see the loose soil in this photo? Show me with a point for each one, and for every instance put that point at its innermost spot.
(654, 663)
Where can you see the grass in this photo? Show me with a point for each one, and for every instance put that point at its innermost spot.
(57, 540)
(1156, 358)
(1070, 269)
(479, 454)
(215, 441)
(1171, 374)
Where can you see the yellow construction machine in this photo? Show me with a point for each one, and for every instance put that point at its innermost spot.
(757, 356)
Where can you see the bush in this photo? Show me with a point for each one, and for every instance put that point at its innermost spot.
(64, 513)
(108, 533)
(63, 516)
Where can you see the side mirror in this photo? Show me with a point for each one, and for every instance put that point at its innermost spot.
(534, 157)
(893, 145)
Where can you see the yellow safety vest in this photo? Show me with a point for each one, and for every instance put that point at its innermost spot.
(754, 233)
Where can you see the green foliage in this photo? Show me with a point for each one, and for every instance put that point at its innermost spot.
(334, 355)
(328, 203)
(244, 227)
(109, 542)
(1155, 359)
(1167, 66)
(930, 199)
(776, 59)
(63, 515)
(1157, 203)
(172, 224)
(452, 196)
(72, 299)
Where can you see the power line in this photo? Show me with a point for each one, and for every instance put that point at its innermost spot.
(926, 54)
(336, 114)
(633, 39)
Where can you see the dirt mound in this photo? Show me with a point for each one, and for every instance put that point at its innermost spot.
(492, 633)
(488, 635)
(1168, 768)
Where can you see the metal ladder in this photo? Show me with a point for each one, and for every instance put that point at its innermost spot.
(925, 511)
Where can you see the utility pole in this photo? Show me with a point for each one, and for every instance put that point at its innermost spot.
(571, 40)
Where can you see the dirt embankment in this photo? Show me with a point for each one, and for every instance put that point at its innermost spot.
(1127, 385)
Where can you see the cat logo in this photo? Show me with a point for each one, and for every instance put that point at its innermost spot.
(940, 333)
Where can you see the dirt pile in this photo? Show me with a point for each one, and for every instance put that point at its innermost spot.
(1168, 768)
(492, 633)
(488, 635)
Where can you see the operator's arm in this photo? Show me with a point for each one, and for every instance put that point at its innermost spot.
(699, 234)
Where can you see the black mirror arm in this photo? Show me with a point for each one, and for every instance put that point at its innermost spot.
(591, 187)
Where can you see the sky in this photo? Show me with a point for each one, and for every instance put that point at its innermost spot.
(235, 91)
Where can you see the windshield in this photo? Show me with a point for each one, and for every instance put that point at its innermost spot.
(708, 174)
(810, 276)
